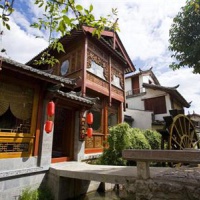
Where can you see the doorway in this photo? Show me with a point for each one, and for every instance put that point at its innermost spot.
(63, 135)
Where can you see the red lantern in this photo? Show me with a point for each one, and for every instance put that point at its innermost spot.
(51, 109)
(89, 132)
(89, 118)
(48, 126)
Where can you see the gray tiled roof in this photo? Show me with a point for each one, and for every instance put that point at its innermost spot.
(170, 90)
(72, 95)
(29, 70)
(40, 74)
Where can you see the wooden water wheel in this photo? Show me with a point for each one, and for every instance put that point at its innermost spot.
(182, 133)
(179, 132)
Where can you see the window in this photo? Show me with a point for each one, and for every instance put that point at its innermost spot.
(116, 81)
(97, 124)
(94, 144)
(97, 120)
(97, 70)
(64, 67)
(112, 116)
(157, 105)
(16, 120)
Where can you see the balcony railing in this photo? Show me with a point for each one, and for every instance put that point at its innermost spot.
(135, 91)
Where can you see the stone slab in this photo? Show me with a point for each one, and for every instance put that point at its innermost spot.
(100, 173)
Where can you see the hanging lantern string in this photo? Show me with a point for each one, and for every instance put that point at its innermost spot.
(90, 118)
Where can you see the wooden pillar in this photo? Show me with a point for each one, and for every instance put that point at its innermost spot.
(110, 79)
(124, 92)
(84, 72)
(120, 112)
(105, 128)
(38, 125)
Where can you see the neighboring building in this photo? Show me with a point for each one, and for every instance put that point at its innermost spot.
(148, 102)
(196, 121)
(89, 77)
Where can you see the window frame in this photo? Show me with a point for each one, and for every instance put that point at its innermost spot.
(14, 137)
(156, 104)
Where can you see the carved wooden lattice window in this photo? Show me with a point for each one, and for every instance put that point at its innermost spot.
(96, 141)
(97, 66)
(16, 119)
(117, 78)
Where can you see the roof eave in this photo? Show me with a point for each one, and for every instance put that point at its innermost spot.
(172, 91)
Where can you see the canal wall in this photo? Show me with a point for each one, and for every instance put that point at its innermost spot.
(69, 180)
(173, 184)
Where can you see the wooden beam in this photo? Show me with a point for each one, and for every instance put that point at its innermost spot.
(105, 33)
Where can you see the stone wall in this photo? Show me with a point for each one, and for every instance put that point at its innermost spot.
(175, 184)
(11, 188)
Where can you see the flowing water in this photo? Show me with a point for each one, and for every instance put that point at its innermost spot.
(109, 195)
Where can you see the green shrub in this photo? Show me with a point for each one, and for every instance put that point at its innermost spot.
(29, 194)
(154, 138)
(118, 140)
(138, 140)
(43, 193)
(121, 137)
(111, 157)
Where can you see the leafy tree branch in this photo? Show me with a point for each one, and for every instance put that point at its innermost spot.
(59, 18)
(185, 37)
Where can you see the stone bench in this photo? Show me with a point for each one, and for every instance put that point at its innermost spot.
(144, 157)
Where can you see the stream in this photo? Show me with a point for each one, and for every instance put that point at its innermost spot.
(109, 195)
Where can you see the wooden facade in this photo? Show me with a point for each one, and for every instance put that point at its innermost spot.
(90, 69)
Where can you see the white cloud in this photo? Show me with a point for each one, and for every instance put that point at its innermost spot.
(144, 26)
(189, 87)
(20, 45)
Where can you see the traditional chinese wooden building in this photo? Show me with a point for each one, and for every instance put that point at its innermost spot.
(98, 66)
(89, 77)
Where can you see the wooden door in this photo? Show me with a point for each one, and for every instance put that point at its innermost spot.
(135, 85)
(63, 135)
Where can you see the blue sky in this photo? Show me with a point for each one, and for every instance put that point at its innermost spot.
(144, 31)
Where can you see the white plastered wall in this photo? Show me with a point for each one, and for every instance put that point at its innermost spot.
(142, 119)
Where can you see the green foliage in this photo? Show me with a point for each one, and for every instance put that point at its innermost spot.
(118, 139)
(59, 18)
(185, 37)
(121, 137)
(56, 19)
(138, 139)
(29, 194)
(42, 193)
(154, 138)
(111, 157)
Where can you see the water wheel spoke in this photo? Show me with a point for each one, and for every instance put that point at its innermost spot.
(185, 125)
(177, 131)
(184, 142)
(180, 125)
(182, 133)
(178, 143)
